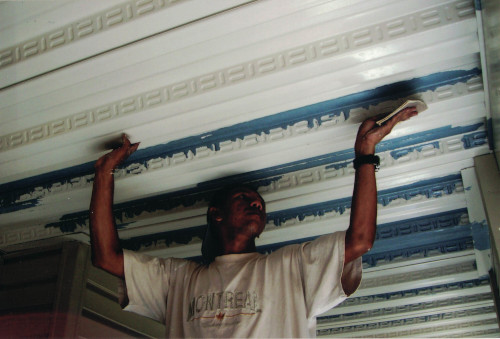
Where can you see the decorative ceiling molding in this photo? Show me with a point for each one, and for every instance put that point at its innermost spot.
(315, 51)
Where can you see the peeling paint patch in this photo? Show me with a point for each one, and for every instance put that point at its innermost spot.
(448, 245)
(431, 188)
(474, 139)
(19, 206)
(427, 136)
(423, 224)
(182, 236)
(284, 218)
(69, 223)
(403, 152)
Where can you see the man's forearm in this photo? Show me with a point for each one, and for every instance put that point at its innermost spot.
(106, 251)
(362, 229)
(361, 232)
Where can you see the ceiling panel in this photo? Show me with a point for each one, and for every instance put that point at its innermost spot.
(276, 100)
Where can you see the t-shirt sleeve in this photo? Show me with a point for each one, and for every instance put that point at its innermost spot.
(146, 284)
(322, 264)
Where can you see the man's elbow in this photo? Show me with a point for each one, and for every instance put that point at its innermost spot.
(363, 248)
(356, 246)
(98, 262)
(110, 265)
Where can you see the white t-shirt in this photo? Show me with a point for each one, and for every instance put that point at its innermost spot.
(242, 295)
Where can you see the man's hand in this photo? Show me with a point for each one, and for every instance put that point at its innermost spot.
(108, 162)
(370, 134)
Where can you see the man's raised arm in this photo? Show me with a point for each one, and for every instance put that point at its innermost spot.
(106, 251)
(361, 232)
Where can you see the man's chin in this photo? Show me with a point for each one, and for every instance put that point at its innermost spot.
(255, 228)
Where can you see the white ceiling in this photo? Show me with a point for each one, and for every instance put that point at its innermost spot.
(268, 92)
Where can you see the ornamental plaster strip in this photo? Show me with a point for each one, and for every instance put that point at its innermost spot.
(386, 233)
(420, 325)
(413, 295)
(129, 213)
(431, 189)
(419, 278)
(271, 64)
(295, 123)
(331, 166)
(444, 299)
(307, 216)
(336, 164)
(407, 311)
(82, 29)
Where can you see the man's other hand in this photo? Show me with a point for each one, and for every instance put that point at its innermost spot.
(108, 162)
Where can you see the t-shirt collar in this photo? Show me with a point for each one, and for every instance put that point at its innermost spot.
(233, 258)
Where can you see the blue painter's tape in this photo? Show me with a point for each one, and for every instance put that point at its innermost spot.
(481, 236)
(312, 114)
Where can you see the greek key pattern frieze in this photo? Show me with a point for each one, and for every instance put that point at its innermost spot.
(271, 64)
(81, 29)
(420, 325)
(312, 175)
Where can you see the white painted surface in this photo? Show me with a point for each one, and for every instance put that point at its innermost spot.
(191, 70)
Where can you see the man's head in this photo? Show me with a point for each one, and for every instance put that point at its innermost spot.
(236, 216)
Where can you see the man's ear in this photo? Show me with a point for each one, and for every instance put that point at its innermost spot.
(215, 214)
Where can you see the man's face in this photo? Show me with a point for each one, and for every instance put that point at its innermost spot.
(244, 212)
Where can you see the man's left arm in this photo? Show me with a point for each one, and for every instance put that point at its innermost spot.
(362, 228)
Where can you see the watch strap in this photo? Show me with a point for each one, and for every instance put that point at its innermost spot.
(367, 159)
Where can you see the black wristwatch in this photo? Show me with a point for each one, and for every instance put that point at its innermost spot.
(367, 159)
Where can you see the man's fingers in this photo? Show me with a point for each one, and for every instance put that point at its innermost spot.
(401, 116)
(132, 148)
(125, 141)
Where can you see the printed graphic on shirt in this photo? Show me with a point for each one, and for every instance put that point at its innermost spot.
(214, 308)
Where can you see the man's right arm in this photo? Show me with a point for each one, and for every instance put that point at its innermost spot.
(106, 251)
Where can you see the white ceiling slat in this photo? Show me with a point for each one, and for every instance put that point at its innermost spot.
(97, 29)
(324, 148)
(267, 92)
(436, 327)
(106, 95)
(463, 293)
(396, 316)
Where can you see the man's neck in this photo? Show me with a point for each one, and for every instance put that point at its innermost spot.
(238, 244)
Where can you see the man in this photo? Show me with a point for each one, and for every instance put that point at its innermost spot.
(242, 293)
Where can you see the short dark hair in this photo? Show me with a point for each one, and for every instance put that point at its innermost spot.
(210, 247)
